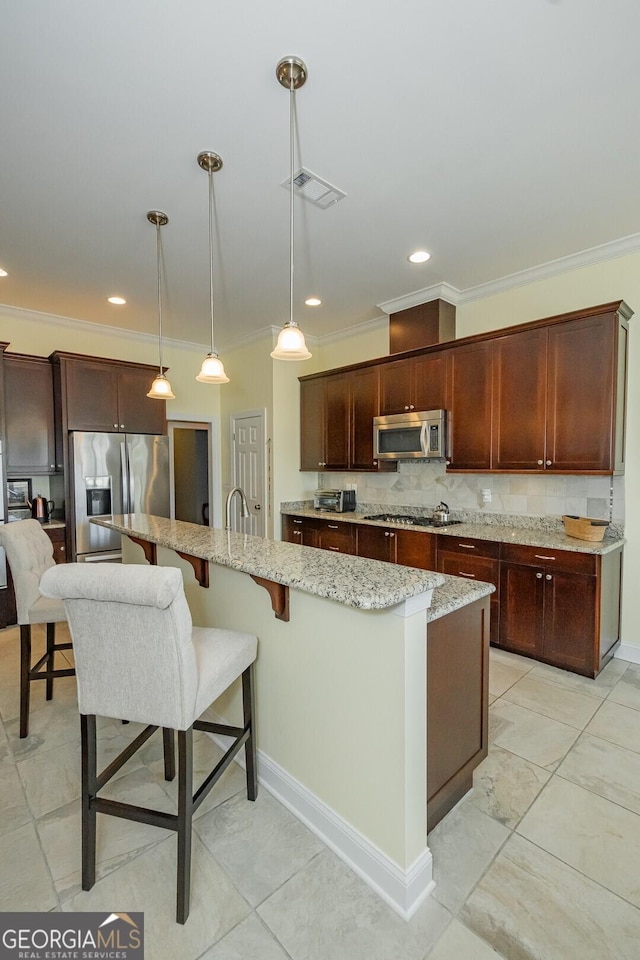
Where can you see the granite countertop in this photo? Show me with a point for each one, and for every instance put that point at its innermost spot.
(454, 593)
(499, 533)
(353, 581)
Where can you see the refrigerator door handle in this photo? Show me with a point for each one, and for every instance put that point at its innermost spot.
(124, 475)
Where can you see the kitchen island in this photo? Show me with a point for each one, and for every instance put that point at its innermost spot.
(341, 685)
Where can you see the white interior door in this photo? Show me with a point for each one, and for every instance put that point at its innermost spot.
(248, 432)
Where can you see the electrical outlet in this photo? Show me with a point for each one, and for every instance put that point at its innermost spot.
(485, 495)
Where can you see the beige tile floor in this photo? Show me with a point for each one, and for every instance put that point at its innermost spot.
(539, 862)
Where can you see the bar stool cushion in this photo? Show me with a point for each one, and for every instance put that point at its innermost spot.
(167, 672)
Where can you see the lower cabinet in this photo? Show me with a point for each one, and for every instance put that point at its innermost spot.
(473, 560)
(560, 607)
(457, 704)
(407, 547)
(312, 532)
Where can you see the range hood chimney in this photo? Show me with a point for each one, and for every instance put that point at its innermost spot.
(422, 326)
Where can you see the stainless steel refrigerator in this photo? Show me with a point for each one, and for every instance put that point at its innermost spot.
(115, 473)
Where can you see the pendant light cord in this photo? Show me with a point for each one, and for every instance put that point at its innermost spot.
(210, 175)
(292, 101)
(159, 260)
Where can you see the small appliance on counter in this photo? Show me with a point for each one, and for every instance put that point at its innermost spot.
(41, 508)
(335, 501)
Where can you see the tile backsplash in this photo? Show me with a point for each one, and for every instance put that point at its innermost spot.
(543, 495)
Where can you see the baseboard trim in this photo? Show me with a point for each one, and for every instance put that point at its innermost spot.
(628, 651)
(403, 890)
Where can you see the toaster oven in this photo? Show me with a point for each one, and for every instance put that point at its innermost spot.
(335, 501)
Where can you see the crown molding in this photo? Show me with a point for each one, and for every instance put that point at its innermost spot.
(367, 326)
(87, 326)
(553, 268)
(439, 291)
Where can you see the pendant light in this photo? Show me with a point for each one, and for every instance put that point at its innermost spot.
(291, 73)
(212, 370)
(160, 388)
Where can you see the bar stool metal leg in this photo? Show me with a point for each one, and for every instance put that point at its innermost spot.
(248, 706)
(51, 639)
(185, 815)
(169, 753)
(25, 667)
(89, 790)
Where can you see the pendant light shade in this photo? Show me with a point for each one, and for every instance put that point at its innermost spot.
(160, 388)
(291, 73)
(212, 370)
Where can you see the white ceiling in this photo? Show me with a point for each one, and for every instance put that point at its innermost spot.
(496, 134)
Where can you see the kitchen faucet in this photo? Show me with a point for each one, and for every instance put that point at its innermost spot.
(243, 500)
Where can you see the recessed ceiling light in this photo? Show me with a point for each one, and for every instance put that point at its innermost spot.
(419, 256)
(3, 273)
(118, 300)
(313, 301)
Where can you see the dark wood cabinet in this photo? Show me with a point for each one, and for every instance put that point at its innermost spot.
(57, 536)
(584, 400)
(547, 395)
(336, 421)
(470, 407)
(364, 400)
(312, 415)
(457, 705)
(317, 532)
(558, 397)
(561, 607)
(29, 421)
(324, 423)
(107, 396)
(417, 383)
(519, 401)
(473, 560)
(407, 547)
(300, 530)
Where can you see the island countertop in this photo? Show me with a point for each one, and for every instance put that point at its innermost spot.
(353, 581)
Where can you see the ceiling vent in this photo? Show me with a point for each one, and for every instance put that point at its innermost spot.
(314, 189)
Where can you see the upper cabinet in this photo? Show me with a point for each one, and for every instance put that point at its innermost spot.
(469, 407)
(558, 397)
(548, 395)
(107, 396)
(416, 383)
(29, 422)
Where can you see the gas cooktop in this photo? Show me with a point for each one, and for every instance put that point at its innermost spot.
(410, 521)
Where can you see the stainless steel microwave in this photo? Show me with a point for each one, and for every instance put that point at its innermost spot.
(415, 435)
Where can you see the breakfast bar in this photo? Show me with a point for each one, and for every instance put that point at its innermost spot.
(341, 686)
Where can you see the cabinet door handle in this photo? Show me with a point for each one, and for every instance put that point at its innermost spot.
(322, 464)
(332, 526)
(375, 463)
(471, 576)
(391, 534)
(297, 521)
(52, 466)
(538, 576)
(115, 426)
(122, 426)
(411, 406)
(297, 533)
(548, 577)
(337, 549)
(540, 556)
(467, 546)
(540, 463)
(386, 533)
(548, 462)
(406, 407)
